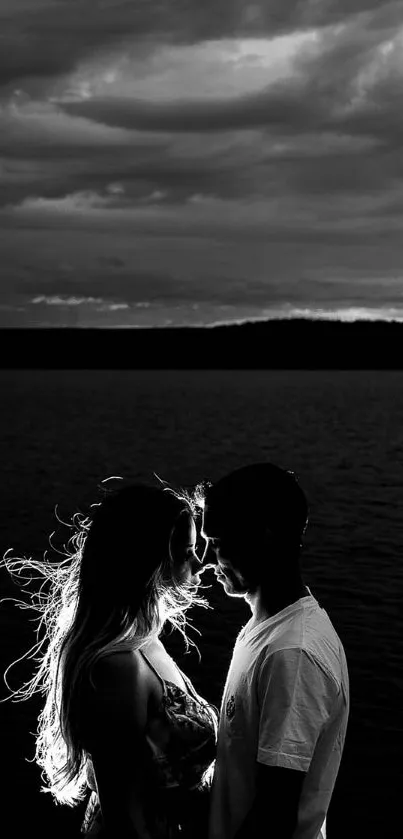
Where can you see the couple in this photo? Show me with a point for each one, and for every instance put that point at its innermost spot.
(124, 725)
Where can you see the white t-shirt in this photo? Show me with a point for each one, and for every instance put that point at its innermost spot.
(285, 703)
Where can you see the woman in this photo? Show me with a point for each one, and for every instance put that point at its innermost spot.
(119, 716)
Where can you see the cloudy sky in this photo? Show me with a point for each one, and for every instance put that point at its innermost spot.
(200, 161)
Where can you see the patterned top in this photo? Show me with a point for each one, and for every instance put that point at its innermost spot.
(182, 741)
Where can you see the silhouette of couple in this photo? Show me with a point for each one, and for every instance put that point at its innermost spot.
(123, 727)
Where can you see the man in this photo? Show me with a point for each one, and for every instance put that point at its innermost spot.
(286, 699)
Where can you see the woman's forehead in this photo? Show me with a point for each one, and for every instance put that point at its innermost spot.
(185, 524)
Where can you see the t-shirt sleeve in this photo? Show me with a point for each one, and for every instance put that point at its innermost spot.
(295, 698)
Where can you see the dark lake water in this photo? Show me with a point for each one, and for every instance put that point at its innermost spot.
(342, 432)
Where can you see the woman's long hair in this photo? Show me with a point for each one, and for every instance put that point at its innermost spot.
(113, 590)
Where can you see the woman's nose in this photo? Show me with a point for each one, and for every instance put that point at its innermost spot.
(202, 548)
(196, 561)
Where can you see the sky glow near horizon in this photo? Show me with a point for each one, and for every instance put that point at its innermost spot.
(195, 164)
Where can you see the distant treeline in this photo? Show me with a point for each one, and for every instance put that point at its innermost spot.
(276, 344)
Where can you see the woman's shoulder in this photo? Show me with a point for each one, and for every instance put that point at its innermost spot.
(114, 710)
(117, 694)
(119, 668)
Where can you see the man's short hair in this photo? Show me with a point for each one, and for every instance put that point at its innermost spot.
(256, 498)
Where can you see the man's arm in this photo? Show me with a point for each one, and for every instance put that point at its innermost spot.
(293, 697)
(275, 809)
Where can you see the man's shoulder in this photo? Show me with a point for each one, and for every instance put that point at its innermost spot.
(307, 662)
(323, 644)
(311, 631)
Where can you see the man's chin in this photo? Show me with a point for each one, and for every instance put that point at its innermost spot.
(230, 588)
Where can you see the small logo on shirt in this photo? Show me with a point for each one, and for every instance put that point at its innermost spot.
(230, 708)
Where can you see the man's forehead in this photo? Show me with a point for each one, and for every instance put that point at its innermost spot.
(211, 521)
(225, 515)
(217, 526)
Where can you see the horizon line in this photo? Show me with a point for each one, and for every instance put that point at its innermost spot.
(200, 326)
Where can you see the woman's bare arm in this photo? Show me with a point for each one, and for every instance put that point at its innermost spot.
(123, 769)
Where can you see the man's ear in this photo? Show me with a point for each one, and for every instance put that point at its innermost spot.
(284, 541)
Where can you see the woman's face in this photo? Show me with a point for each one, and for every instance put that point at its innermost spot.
(186, 564)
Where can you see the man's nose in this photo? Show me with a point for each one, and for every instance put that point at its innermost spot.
(210, 555)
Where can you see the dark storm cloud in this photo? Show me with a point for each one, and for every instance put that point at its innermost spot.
(47, 38)
(230, 167)
(360, 173)
(114, 262)
(314, 96)
(342, 85)
(281, 107)
(175, 180)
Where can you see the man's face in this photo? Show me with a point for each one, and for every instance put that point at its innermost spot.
(226, 549)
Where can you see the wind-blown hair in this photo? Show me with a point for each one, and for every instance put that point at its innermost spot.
(113, 590)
